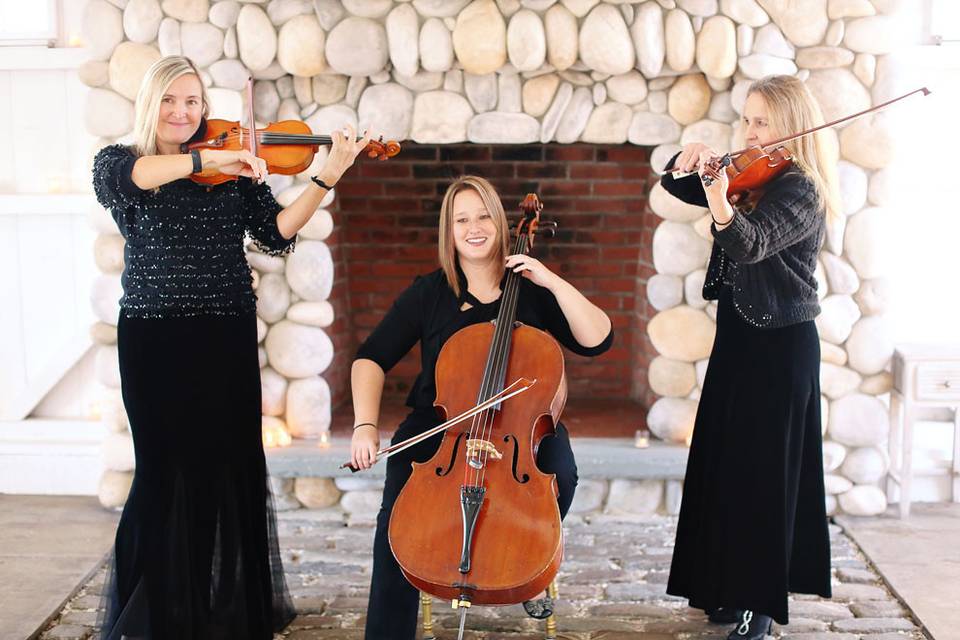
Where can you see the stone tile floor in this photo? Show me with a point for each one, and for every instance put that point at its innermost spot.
(611, 588)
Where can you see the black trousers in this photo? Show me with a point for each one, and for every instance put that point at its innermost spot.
(394, 602)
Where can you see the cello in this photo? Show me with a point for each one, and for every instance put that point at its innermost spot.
(479, 523)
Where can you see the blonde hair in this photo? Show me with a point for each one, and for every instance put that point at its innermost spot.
(447, 247)
(156, 81)
(792, 108)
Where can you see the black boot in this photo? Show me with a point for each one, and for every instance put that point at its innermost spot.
(541, 608)
(724, 615)
(752, 626)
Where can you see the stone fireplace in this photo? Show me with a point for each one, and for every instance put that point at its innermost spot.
(386, 233)
(579, 100)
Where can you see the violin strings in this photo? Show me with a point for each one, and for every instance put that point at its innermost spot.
(269, 137)
(281, 138)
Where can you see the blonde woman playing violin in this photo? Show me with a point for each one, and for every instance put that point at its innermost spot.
(753, 525)
(196, 549)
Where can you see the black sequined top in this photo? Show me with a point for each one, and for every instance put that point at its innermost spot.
(184, 250)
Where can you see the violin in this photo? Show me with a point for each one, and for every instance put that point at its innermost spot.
(749, 170)
(288, 146)
(479, 522)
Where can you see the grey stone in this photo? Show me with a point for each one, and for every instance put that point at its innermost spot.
(84, 618)
(878, 609)
(68, 632)
(858, 592)
(828, 611)
(873, 625)
(861, 576)
(481, 91)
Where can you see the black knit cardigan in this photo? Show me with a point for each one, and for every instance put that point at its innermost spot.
(768, 254)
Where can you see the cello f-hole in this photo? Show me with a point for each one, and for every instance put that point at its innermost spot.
(516, 458)
(440, 471)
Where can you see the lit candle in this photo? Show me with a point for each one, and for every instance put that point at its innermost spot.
(275, 435)
(641, 439)
(324, 442)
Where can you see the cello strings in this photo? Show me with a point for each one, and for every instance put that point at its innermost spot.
(499, 350)
(509, 303)
(502, 356)
(507, 311)
(472, 476)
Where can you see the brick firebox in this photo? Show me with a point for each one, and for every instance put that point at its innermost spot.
(385, 233)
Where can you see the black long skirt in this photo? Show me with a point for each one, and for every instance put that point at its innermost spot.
(753, 522)
(196, 554)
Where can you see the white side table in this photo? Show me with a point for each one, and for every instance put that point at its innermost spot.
(926, 384)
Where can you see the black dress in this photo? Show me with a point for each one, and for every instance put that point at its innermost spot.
(429, 313)
(753, 522)
(196, 555)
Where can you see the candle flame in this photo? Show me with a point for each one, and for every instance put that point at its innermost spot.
(275, 436)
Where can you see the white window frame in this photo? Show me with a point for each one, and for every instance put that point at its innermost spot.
(932, 34)
(47, 36)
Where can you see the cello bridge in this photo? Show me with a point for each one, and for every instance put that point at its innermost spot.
(475, 450)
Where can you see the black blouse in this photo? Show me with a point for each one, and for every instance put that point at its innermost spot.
(184, 250)
(428, 312)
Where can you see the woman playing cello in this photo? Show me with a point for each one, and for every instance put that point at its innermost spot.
(466, 290)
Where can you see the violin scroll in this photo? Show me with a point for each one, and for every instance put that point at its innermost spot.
(382, 150)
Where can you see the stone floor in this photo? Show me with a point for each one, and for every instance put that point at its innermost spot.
(611, 586)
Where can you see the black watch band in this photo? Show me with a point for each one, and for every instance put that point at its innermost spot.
(320, 183)
(197, 162)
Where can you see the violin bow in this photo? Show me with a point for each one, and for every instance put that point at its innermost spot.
(521, 384)
(725, 159)
(251, 122)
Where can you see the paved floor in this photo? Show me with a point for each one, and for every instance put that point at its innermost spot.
(920, 560)
(611, 586)
(49, 545)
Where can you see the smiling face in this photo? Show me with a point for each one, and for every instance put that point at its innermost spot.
(474, 231)
(181, 109)
(755, 123)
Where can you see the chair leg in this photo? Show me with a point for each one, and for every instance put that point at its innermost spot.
(426, 610)
(552, 620)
